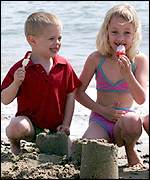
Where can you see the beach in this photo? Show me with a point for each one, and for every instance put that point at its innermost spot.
(81, 21)
(34, 164)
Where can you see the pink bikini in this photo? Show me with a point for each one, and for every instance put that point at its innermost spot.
(104, 84)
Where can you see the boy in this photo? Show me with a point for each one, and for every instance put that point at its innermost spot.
(43, 83)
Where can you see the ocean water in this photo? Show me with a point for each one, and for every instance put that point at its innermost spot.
(81, 21)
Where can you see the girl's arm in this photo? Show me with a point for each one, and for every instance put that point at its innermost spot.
(137, 84)
(141, 75)
(85, 77)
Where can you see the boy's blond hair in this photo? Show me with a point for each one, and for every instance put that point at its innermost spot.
(37, 21)
(128, 13)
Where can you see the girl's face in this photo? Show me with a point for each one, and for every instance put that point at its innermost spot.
(49, 42)
(120, 32)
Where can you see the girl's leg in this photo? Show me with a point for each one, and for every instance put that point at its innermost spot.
(127, 131)
(95, 131)
(20, 128)
(146, 123)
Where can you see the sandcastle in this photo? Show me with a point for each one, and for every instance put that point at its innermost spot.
(98, 159)
(54, 143)
(76, 150)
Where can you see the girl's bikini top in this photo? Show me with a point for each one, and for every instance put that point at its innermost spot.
(104, 84)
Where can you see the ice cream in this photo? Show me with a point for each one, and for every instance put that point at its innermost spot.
(120, 50)
(25, 62)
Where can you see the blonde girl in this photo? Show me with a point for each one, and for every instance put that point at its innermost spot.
(119, 82)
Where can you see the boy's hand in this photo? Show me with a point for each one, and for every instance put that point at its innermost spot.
(19, 76)
(63, 128)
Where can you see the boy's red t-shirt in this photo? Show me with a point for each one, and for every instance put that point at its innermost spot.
(42, 97)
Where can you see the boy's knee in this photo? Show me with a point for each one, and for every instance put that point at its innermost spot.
(15, 129)
(11, 131)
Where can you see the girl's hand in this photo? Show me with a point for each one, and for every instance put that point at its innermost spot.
(113, 114)
(63, 128)
(125, 66)
(19, 76)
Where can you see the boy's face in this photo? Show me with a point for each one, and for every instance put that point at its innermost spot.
(120, 32)
(48, 43)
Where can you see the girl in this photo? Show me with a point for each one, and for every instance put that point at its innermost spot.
(146, 123)
(119, 81)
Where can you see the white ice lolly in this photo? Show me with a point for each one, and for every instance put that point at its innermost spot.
(25, 62)
(120, 50)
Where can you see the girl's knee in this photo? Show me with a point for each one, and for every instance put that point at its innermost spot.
(133, 124)
(146, 123)
(131, 128)
(136, 126)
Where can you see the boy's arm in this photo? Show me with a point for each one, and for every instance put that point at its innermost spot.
(69, 109)
(8, 94)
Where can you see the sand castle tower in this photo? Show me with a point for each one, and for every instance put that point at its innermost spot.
(98, 159)
(54, 143)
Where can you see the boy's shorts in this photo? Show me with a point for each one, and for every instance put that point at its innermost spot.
(41, 130)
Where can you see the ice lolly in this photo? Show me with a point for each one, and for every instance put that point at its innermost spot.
(25, 62)
(120, 50)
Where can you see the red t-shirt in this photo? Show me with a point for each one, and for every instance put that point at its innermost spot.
(42, 97)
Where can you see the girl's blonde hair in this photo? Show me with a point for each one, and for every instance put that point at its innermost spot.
(37, 21)
(128, 13)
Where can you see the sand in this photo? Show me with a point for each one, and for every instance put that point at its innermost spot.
(31, 164)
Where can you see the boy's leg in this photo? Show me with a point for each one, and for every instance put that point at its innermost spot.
(126, 132)
(20, 128)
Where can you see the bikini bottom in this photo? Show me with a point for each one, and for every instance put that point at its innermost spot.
(106, 123)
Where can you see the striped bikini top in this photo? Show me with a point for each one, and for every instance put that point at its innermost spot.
(104, 84)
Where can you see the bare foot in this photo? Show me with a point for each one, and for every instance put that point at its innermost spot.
(138, 166)
(133, 156)
(15, 147)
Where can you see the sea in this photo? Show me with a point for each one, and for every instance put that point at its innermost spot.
(81, 22)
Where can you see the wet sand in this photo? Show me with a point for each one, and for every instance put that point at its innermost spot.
(33, 164)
